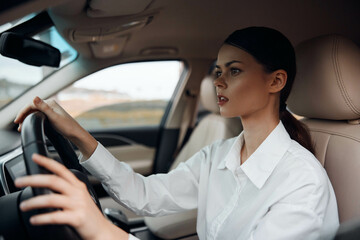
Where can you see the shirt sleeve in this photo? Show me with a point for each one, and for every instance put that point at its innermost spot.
(285, 221)
(132, 237)
(155, 195)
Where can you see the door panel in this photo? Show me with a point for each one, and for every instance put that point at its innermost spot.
(135, 146)
(139, 157)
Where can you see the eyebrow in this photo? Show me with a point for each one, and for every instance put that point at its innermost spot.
(229, 63)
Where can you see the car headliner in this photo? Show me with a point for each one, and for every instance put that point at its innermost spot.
(197, 28)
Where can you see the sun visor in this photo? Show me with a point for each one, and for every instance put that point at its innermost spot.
(112, 8)
(108, 32)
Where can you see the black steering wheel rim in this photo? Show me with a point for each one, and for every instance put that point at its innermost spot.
(34, 129)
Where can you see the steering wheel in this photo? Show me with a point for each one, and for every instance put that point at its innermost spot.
(34, 129)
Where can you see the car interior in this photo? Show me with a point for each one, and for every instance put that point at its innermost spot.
(89, 55)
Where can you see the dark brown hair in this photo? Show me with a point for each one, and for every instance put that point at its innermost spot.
(274, 51)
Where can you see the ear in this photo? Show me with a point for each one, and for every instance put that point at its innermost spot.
(277, 81)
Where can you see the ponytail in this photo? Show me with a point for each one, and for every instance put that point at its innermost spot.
(297, 130)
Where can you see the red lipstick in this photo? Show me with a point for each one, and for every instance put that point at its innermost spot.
(221, 100)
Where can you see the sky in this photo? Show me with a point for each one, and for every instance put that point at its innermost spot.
(148, 80)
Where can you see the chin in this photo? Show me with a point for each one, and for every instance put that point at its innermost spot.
(226, 114)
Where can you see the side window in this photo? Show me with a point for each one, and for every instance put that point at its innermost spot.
(122, 96)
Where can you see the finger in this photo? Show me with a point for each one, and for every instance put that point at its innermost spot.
(57, 168)
(45, 201)
(52, 182)
(49, 107)
(24, 113)
(37, 105)
(56, 217)
(27, 110)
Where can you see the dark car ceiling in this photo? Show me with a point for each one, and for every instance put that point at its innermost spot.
(197, 28)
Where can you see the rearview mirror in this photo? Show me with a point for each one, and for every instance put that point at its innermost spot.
(28, 50)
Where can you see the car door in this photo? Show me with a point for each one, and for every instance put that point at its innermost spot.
(124, 107)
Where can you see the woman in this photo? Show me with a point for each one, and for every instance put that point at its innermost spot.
(275, 187)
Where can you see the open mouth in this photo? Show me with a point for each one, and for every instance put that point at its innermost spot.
(222, 100)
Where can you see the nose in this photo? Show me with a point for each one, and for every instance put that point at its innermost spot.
(220, 82)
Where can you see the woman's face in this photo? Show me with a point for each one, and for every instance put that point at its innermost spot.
(242, 85)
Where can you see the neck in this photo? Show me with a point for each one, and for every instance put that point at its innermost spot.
(256, 129)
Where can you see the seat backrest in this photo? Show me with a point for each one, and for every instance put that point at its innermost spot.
(211, 128)
(326, 92)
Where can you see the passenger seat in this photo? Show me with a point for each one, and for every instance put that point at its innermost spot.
(211, 128)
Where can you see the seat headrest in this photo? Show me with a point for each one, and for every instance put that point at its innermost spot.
(208, 95)
(327, 83)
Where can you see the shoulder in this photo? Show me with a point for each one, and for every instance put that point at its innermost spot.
(301, 161)
(304, 179)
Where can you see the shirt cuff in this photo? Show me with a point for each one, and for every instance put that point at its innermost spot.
(83, 159)
(100, 164)
(132, 237)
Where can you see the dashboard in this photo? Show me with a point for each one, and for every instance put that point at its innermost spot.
(12, 166)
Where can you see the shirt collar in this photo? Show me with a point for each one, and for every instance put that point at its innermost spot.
(259, 166)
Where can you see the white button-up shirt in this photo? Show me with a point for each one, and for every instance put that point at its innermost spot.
(280, 192)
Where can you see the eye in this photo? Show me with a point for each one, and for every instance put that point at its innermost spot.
(235, 71)
(217, 74)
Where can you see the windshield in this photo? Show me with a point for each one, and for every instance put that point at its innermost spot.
(17, 77)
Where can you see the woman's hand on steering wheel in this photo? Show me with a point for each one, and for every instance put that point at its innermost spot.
(71, 196)
(63, 123)
(58, 117)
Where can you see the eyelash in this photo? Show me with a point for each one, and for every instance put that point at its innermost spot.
(217, 74)
(236, 70)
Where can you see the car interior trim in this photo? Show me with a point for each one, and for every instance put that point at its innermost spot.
(39, 23)
(4, 159)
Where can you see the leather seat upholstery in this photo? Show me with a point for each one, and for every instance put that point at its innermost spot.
(326, 93)
(211, 128)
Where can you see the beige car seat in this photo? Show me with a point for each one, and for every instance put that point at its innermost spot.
(211, 128)
(327, 93)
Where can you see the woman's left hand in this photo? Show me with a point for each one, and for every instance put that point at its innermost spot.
(72, 197)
